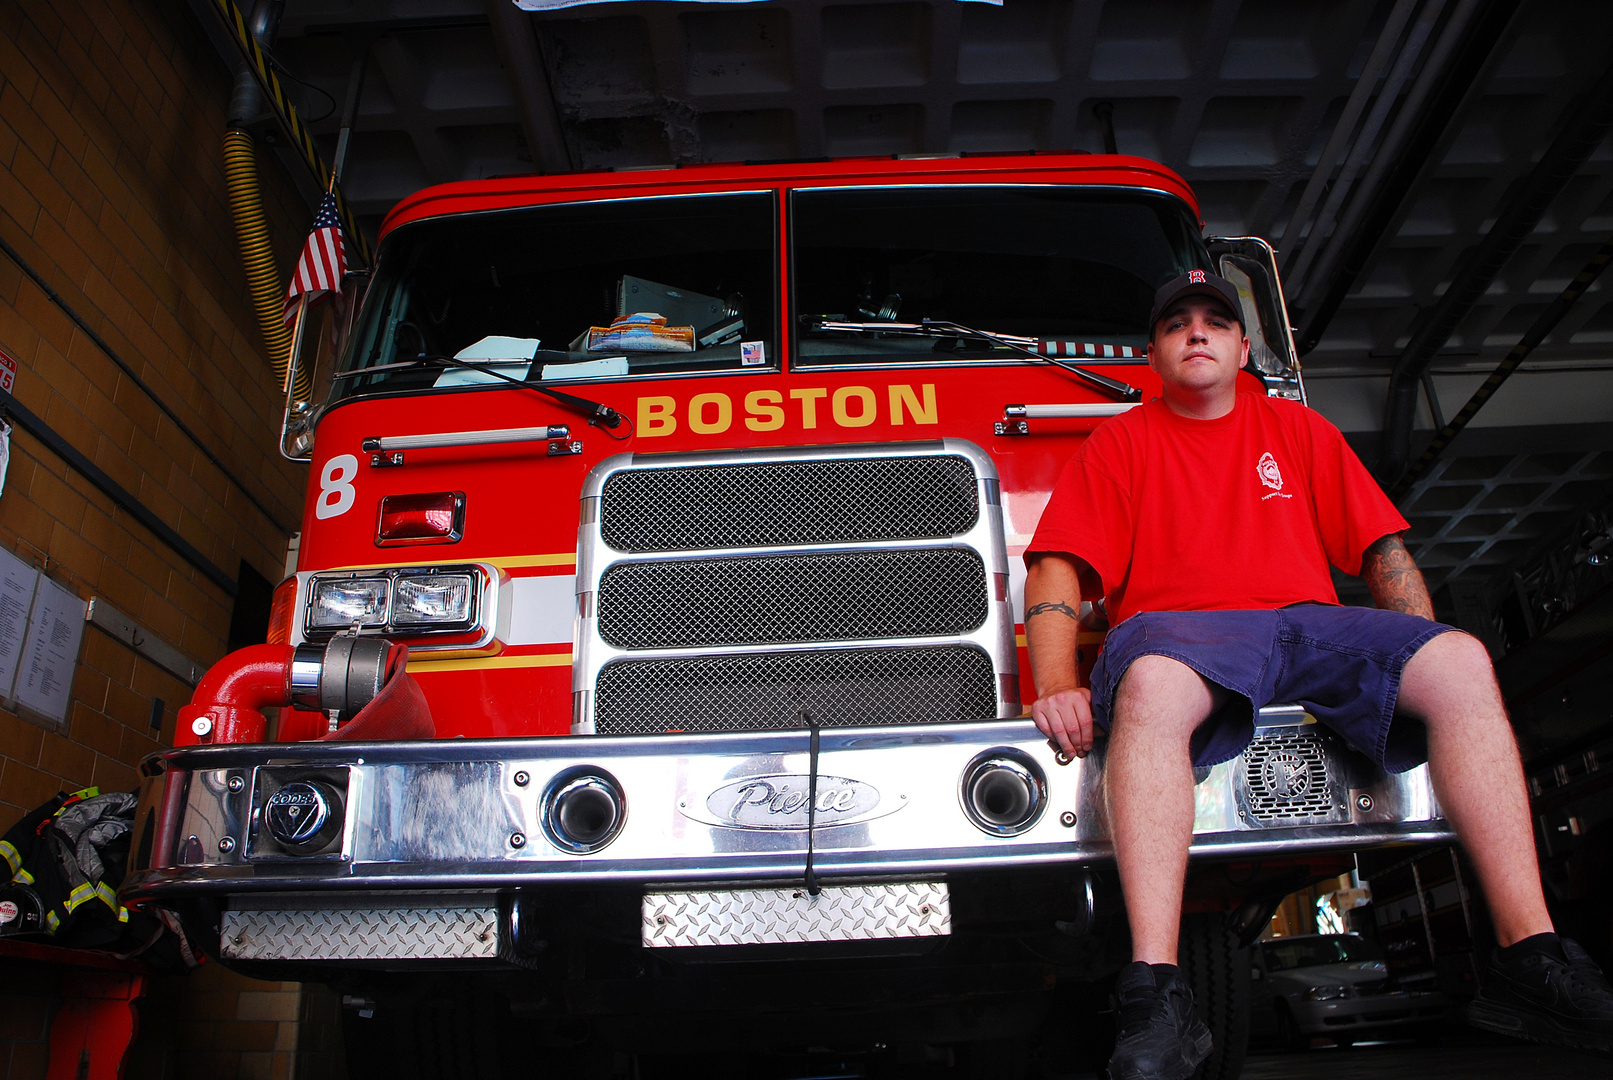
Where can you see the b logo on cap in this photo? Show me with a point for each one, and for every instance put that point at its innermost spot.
(1195, 277)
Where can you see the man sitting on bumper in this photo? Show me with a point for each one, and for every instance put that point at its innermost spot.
(1205, 521)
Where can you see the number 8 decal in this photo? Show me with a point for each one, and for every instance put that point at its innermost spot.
(336, 494)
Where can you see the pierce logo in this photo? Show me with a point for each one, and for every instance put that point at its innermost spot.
(783, 802)
(1195, 277)
(1270, 475)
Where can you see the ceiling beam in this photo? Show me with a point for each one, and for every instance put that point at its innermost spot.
(1436, 120)
(529, 78)
(1586, 123)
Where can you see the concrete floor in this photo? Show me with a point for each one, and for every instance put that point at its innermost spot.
(1475, 1058)
(1457, 1054)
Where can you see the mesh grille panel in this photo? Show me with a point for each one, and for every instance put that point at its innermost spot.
(1287, 774)
(842, 688)
(757, 600)
(766, 504)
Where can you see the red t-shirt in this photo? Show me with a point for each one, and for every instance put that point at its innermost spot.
(1243, 511)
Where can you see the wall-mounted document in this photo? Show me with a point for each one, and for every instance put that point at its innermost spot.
(50, 652)
(17, 583)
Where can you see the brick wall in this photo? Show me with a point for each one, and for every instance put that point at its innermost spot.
(214, 1023)
(112, 116)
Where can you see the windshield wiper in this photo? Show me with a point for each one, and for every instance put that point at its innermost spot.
(935, 328)
(598, 415)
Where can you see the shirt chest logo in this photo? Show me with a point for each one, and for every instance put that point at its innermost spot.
(1270, 476)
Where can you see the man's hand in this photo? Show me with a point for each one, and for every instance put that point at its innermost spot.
(1063, 710)
(1066, 719)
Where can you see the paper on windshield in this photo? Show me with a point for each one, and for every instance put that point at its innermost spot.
(496, 347)
(602, 368)
(515, 351)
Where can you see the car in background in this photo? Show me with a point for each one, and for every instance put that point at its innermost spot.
(1333, 986)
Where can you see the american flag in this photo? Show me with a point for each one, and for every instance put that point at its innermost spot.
(323, 262)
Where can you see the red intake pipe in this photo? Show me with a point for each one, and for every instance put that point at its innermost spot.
(363, 681)
(228, 704)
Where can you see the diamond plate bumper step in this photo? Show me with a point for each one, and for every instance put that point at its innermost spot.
(361, 934)
(780, 916)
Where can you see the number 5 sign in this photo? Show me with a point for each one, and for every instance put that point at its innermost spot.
(8, 371)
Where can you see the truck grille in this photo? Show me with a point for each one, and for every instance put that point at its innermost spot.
(783, 503)
(1287, 778)
(769, 691)
(886, 562)
(772, 599)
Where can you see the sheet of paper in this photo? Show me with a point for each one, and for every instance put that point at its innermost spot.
(603, 368)
(517, 351)
(50, 652)
(17, 583)
(482, 373)
(497, 347)
(5, 452)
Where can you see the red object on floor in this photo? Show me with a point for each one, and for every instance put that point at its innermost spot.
(93, 1030)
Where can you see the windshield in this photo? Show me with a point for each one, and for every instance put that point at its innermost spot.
(1313, 952)
(575, 291)
(1062, 266)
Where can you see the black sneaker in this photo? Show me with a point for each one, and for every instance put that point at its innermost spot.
(1161, 1037)
(1537, 996)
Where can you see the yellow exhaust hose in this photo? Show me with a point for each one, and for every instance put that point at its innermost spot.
(262, 277)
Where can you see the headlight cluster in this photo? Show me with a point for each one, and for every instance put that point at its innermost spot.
(339, 604)
(429, 600)
(1327, 992)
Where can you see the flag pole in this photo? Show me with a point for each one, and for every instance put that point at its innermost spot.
(296, 346)
(286, 418)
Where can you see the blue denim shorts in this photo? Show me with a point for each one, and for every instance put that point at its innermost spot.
(1342, 663)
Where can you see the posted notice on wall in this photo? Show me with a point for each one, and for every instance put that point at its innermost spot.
(18, 581)
(50, 652)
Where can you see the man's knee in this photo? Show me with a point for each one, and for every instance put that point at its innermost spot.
(1457, 654)
(1451, 672)
(1165, 691)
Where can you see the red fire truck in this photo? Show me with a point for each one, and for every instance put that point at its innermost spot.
(653, 671)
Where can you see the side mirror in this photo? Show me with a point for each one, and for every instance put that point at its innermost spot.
(319, 337)
(1251, 265)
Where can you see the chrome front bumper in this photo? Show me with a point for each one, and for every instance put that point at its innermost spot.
(466, 815)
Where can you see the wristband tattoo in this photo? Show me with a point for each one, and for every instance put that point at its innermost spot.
(1062, 609)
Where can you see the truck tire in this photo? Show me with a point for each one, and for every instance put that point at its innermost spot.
(1217, 970)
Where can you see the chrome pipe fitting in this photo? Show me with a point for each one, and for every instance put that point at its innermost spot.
(1004, 791)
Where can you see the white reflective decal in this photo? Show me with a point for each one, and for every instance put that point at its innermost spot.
(541, 610)
(336, 494)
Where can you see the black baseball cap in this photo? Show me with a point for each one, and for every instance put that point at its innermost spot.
(1196, 283)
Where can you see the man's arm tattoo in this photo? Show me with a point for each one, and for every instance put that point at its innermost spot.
(1062, 609)
(1393, 578)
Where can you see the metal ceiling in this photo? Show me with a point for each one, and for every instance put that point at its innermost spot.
(1375, 142)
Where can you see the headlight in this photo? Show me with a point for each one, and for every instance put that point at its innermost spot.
(432, 599)
(1327, 992)
(433, 608)
(338, 603)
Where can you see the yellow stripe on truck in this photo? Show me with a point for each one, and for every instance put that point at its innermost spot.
(487, 663)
